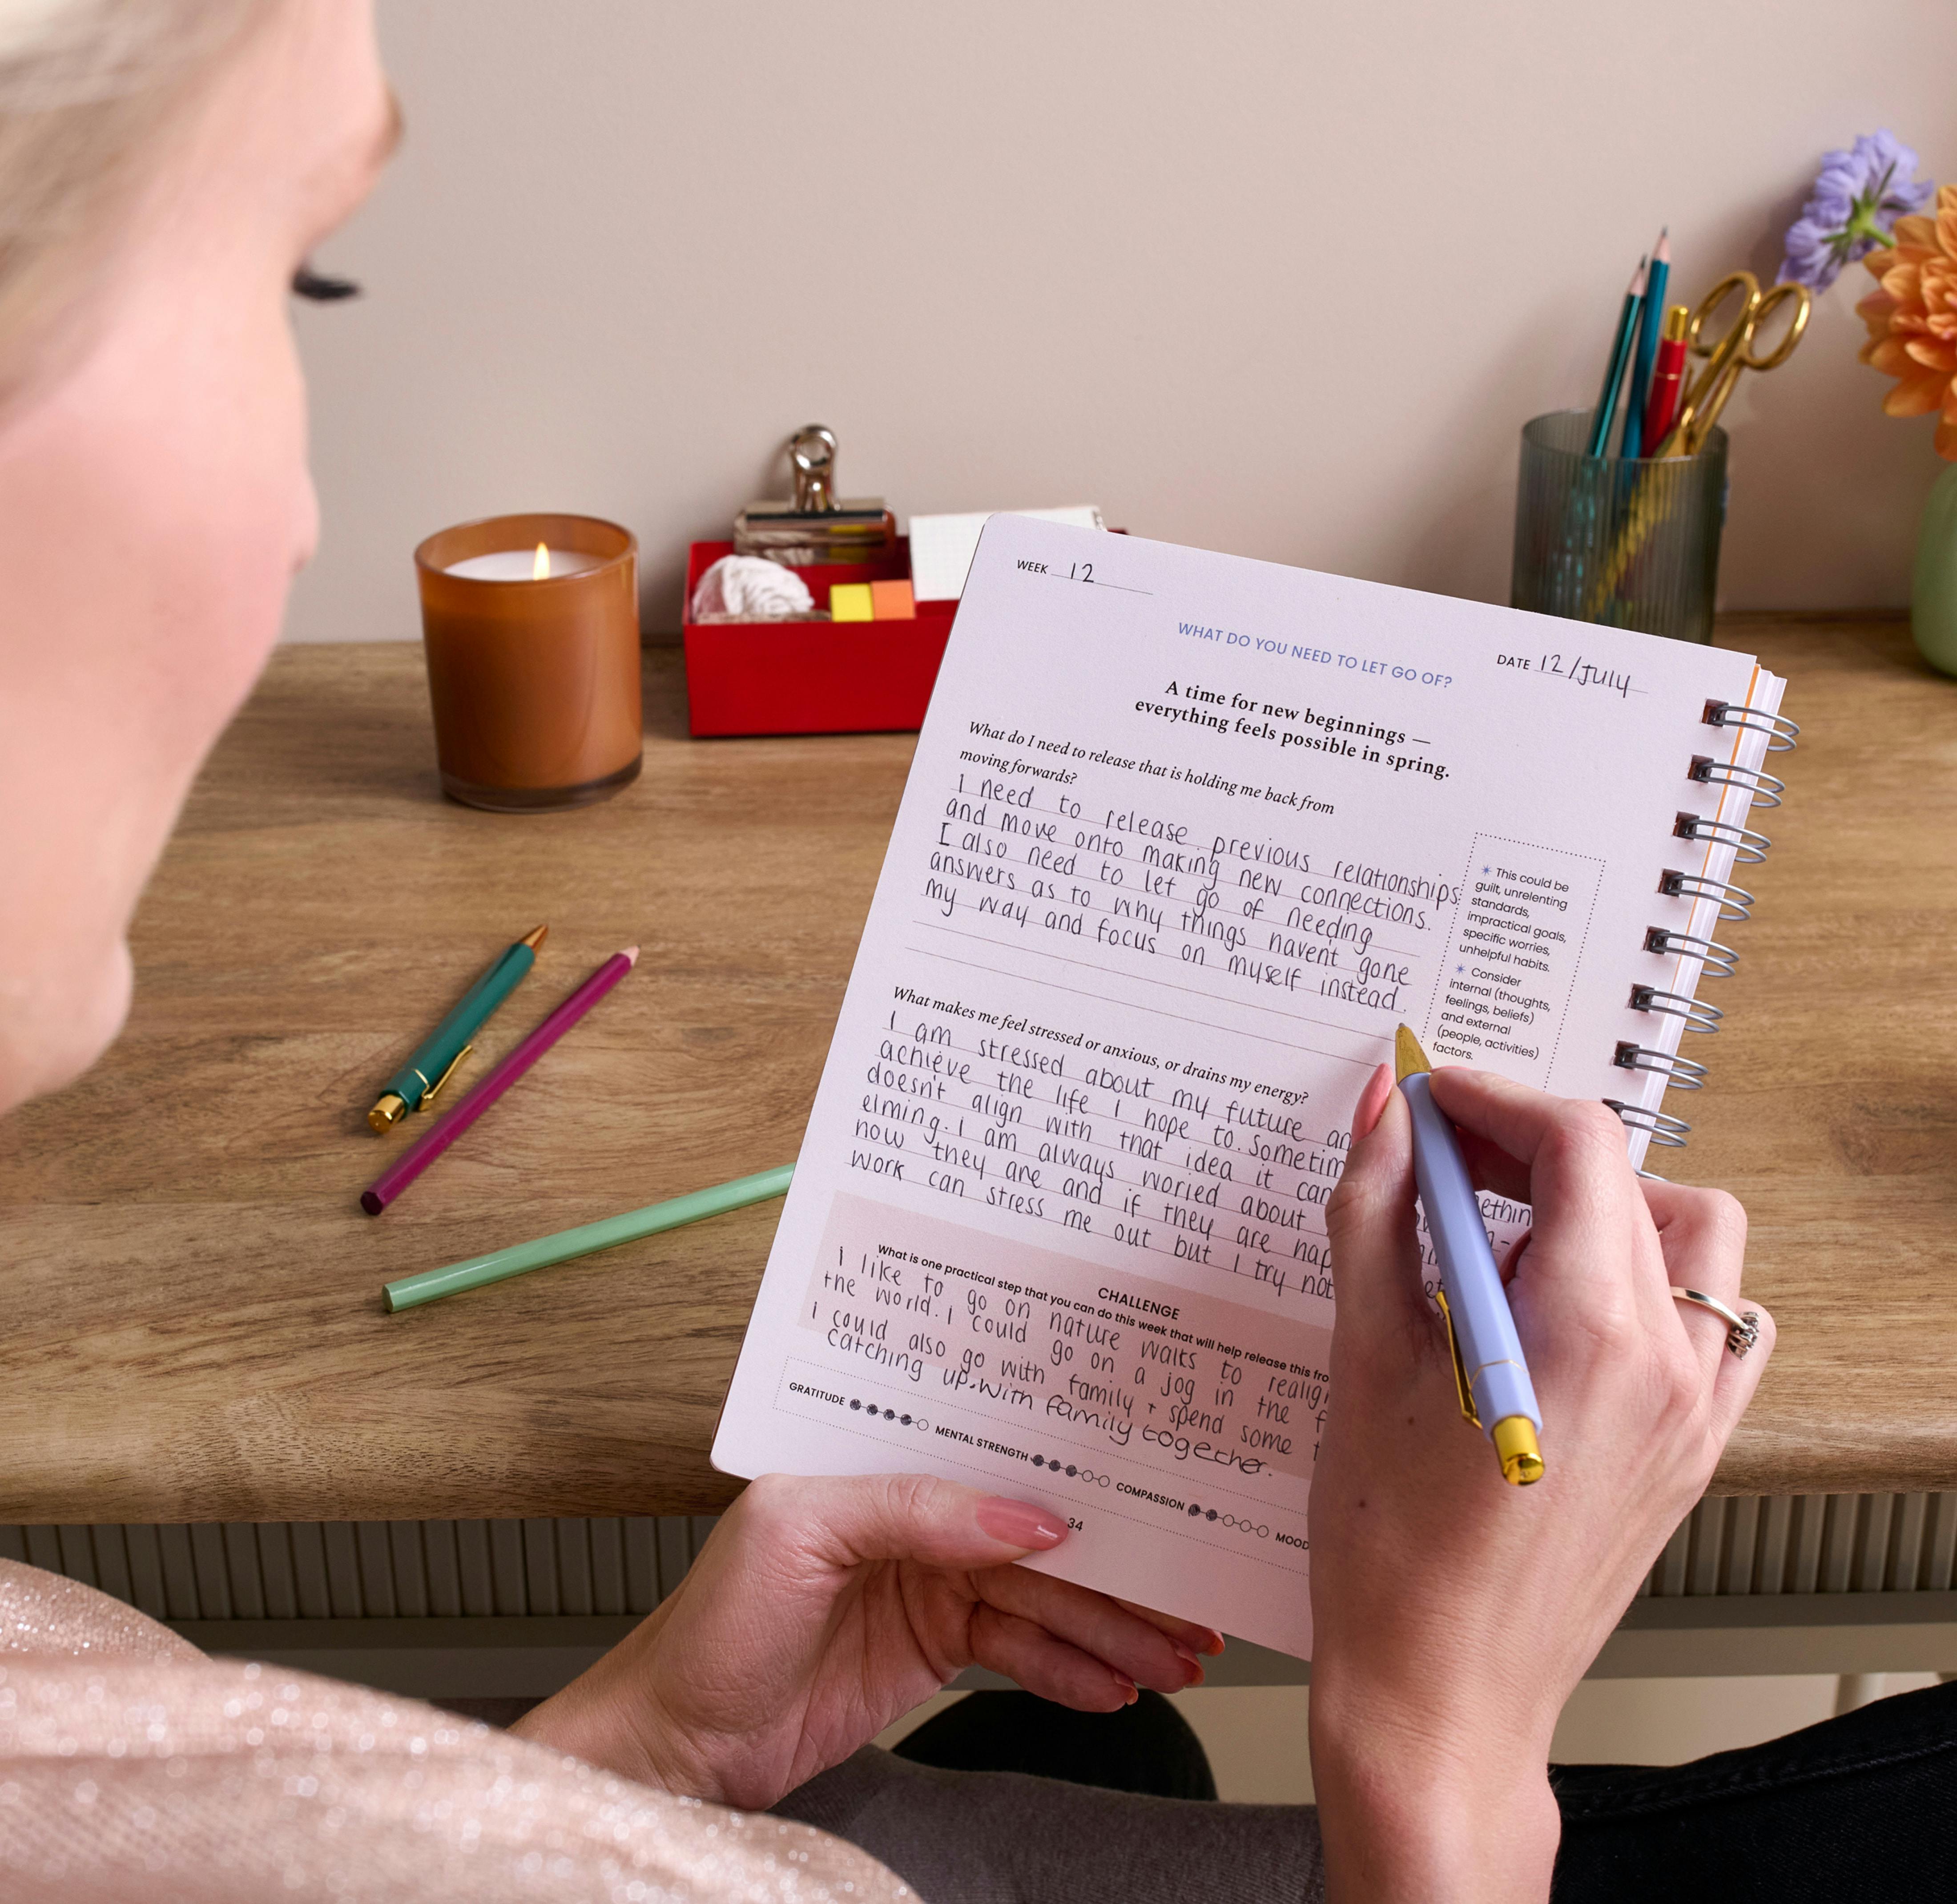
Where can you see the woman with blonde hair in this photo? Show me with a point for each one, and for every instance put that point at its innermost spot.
(166, 168)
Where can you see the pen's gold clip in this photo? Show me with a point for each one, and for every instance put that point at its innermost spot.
(428, 1095)
(1468, 1411)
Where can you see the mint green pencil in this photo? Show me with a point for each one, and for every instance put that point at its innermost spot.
(566, 1243)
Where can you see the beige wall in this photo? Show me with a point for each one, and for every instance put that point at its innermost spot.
(1283, 279)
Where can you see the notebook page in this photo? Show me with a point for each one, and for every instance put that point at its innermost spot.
(1185, 837)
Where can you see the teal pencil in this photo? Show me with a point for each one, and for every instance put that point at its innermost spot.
(473, 1274)
(1606, 411)
(1650, 312)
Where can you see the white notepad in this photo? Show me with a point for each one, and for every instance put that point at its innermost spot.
(1185, 838)
(942, 546)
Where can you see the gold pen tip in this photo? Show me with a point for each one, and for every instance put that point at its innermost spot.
(1514, 1437)
(387, 1112)
(1408, 1056)
(535, 938)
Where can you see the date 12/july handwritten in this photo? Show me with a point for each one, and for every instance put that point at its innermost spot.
(1573, 668)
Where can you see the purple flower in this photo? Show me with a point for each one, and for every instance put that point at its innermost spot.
(1856, 201)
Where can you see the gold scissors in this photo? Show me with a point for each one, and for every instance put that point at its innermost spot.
(1732, 353)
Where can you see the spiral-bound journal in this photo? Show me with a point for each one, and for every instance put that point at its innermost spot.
(1185, 838)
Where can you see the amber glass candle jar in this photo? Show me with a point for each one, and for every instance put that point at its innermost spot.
(534, 677)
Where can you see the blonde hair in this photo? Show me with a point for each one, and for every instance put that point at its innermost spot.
(86, 89)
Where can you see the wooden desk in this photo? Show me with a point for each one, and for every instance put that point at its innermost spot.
(194, 1331)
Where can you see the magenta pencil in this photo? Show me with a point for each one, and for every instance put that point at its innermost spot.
(425, 1148)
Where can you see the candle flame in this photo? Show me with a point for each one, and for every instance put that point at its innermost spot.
(540, 567)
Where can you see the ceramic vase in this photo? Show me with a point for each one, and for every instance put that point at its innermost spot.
(1933, 599)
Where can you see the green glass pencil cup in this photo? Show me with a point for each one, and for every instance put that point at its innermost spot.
(1631, 542)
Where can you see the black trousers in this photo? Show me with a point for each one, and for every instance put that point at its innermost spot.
(1862, 1807)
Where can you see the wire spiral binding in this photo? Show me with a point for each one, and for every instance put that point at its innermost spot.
(1779, 730)
(1749, 848)
(1765, 788)
(1680, 1073)
(1675, 884)
(1716, 961)
(1659, 1126)
(1698, 1015)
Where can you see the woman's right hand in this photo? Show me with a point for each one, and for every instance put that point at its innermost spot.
(1453, 1613)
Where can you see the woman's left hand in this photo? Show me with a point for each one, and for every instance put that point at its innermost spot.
(822, 1610)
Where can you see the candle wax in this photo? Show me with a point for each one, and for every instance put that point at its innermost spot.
(519, 565)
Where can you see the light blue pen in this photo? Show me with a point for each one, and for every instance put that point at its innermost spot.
(1489, 1374)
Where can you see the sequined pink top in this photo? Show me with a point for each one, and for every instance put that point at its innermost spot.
(133, 1768)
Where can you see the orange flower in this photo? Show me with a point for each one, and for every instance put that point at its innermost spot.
(1912, 320)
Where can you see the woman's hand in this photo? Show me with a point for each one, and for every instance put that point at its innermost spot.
(1454, 1614)
(822, 1610)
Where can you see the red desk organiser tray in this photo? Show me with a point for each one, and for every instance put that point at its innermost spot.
(812, 677)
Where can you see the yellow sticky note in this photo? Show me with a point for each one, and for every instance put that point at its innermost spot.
(850, 601)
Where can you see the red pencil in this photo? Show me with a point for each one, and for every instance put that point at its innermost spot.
(430, 1144)
(1667, 374)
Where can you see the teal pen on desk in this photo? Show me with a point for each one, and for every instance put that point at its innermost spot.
(1497, 1395)
(434, 1061)
(1613, 371)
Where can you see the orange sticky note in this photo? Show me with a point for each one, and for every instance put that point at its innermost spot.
(892, 602)
(850, 601)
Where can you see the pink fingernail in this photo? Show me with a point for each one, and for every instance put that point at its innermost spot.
(1019, 1523)
(1194, 1664)
(1372, 1101)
